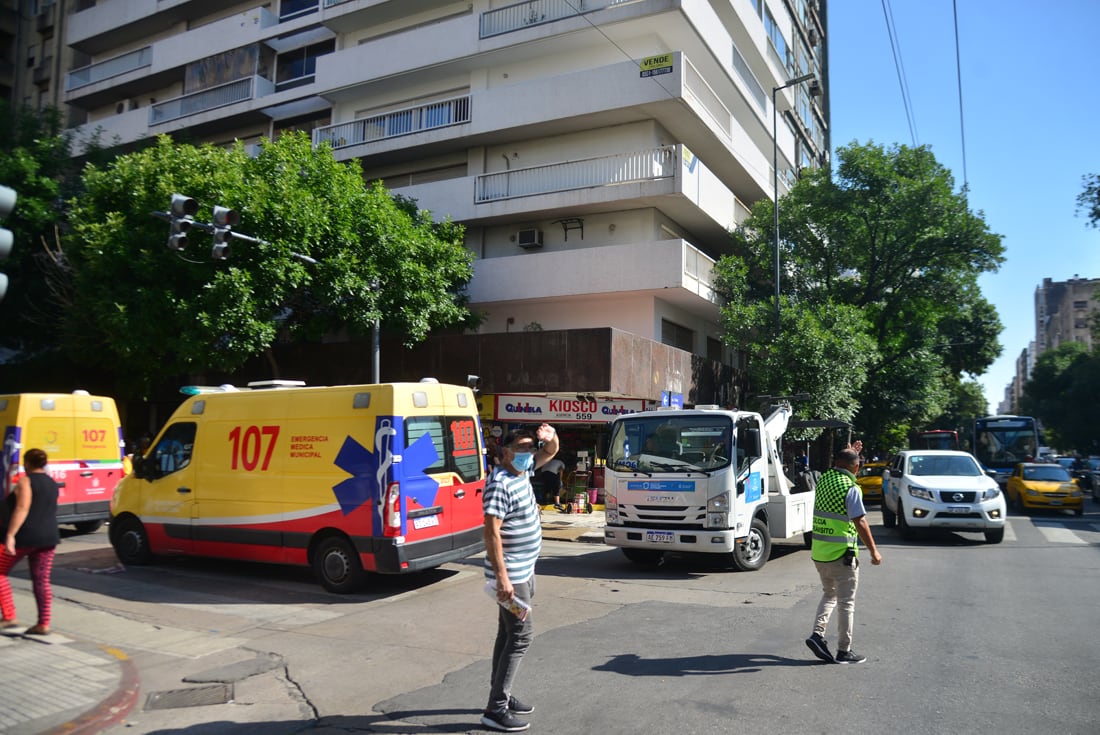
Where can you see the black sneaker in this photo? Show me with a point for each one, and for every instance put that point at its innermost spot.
(849, 657)
(820, 648)
(518, 707)
(503, 721)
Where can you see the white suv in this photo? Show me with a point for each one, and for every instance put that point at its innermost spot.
(938, 488)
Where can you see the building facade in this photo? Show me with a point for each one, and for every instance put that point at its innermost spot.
(598, 152)
(1064, 311)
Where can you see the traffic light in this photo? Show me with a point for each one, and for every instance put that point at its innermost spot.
(224, 220)
(7, 239)
(182, 217)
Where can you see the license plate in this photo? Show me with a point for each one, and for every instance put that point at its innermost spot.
(1055, 502)
(958, 509)
(426, 521)
(660, 537)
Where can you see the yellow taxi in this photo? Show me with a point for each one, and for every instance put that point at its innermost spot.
(1049, 486)
(869, 479)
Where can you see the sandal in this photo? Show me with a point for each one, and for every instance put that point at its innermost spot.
(37, 630)
(5, 624)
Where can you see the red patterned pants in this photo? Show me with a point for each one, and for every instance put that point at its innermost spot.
(41, 561)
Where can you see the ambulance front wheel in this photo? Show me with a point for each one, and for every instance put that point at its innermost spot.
(753, 552)
(337, 566)
(131, 542)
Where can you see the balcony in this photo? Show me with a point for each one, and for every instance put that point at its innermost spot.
(674, 270)
(108, 68)
(395, 123)
(535, 12)
(623, 168)
(210, 99)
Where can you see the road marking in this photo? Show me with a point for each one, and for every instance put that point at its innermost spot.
(1059, 533)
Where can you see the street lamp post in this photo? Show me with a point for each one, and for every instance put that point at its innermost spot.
(775, 181)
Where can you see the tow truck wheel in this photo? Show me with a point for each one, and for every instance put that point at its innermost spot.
(644, 557)
(753, 552)
(131, 542)
(337, 567)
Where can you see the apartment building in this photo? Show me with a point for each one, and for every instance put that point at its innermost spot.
(34, 55)
(597, 151)
(1064, 311)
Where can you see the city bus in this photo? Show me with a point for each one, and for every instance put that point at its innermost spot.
(1001, 442)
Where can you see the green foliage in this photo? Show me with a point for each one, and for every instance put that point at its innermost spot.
(34, 160)
(1089, 199)
(889, 246)
(151, 312)
(1063, 389)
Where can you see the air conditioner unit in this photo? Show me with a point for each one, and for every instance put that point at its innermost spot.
(529, 238)
(815, 89)
(813, 37)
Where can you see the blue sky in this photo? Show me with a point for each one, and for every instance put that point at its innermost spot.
(1031, 107)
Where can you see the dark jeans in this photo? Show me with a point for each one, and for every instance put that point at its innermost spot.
(513, 640)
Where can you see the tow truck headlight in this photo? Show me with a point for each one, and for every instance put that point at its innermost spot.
(991, 493)
(919, 492)
(718, 511)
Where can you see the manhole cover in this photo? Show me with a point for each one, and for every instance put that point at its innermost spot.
(194, 697)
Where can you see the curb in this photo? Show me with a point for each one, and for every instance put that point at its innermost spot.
(112, 710)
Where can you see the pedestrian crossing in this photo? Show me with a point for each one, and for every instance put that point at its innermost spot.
(1059, 532)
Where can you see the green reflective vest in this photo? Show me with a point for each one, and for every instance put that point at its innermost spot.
(833, 531)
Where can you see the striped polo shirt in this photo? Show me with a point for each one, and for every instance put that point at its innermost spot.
(510, 498)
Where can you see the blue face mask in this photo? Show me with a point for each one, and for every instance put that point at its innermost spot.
(523, 461)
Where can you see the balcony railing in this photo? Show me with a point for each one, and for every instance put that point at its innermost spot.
(537, 12)
(209, 99)
(108, 68)
(395, 123)
(623, 168)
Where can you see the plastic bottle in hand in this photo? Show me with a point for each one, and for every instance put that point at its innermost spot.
(516, 606)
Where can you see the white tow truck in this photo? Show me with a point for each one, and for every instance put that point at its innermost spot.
(701, 480)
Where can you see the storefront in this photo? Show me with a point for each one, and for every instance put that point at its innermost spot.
(582, 422)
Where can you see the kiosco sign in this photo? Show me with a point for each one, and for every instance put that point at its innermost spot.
(550, 409)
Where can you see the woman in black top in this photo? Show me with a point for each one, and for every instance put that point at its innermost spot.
(30, 530)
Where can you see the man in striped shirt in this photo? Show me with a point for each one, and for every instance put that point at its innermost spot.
(513, 539)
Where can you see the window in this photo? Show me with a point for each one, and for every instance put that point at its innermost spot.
(1080, 304)
(297, 67)
(714, 349)
(677, 336)
(456, 443)
(173, 451)
(776, 36)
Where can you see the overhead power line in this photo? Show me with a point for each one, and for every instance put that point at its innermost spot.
(958, 76)
(895, 47)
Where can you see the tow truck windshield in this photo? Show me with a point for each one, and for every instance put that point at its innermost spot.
(655, 443)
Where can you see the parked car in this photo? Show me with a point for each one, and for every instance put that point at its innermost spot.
(929, 488)
(1044, 486)
(870, 481)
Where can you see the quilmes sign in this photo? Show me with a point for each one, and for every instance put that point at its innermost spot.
(651, 66)
(551, 409)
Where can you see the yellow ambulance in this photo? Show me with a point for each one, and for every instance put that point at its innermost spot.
(351, 479)
(81, 435)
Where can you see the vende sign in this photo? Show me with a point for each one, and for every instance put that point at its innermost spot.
(551, 410)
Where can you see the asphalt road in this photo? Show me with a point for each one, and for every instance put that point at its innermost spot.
(961, 637)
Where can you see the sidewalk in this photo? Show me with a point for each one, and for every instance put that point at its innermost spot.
(582, 527)
(53, 684)
(56, 685)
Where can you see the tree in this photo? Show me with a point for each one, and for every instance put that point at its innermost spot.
(1063, 388)
(152, 312)
(888, 238)
(1089, 199)
(35, 161)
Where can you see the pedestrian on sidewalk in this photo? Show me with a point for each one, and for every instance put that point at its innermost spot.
(513, 539)
(840, 522)
(29, 523)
